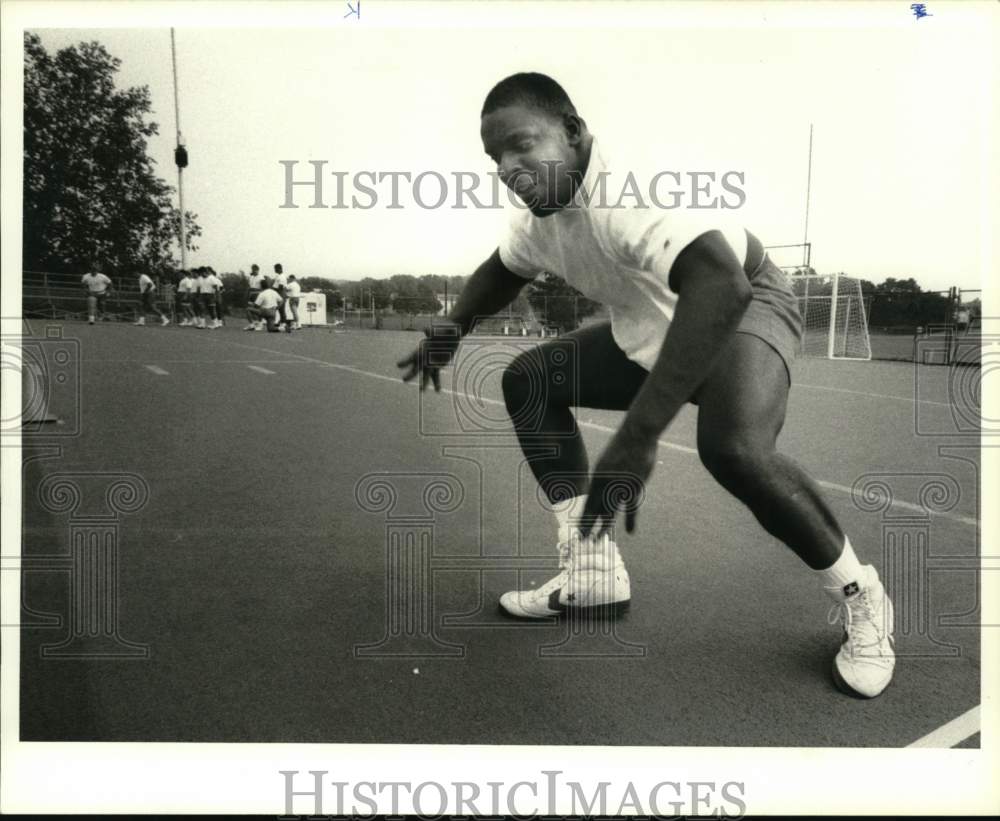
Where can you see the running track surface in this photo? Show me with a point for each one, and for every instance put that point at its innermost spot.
(254, 573)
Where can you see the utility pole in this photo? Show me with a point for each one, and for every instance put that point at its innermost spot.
(805, 232)
(180, 155)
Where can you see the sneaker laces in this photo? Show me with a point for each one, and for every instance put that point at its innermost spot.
(860, 621)
(561, 578)
(565, 555)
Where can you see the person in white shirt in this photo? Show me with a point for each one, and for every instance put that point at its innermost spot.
(279, 282)
(187, 289)
(217, 285)
(699, 314)
(294, 292)
(205, 304)
(147, 297)
(255, 282)
(265, 308)
(97, 287)
(198, 297)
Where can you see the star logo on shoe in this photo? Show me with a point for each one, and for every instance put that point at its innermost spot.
(851, 589)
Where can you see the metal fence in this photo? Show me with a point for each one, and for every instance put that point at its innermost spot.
(900, 324)
(48, 295)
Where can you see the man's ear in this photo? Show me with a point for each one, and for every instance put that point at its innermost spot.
(575, 128)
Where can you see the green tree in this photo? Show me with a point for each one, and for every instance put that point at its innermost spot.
(90, 187)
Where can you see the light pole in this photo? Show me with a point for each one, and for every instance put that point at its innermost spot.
(180, 155)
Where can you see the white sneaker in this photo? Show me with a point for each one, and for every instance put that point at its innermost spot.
(593, 582)
(165, 321)
(140, 321)
(250, 327)
(864, 664)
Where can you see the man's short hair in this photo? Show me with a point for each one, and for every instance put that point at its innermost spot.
(255, 267)
(531, 90)
(277, 267)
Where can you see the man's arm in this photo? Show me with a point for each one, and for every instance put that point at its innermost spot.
(490, 288)
(712, 295)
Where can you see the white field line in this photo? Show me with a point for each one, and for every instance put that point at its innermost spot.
(952, 733)
(912, 400)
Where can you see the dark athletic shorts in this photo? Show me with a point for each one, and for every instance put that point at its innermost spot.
(773, 313)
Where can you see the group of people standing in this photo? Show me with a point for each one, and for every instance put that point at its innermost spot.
(199, 299)
(272, 302)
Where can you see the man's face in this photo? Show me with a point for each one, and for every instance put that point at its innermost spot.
(536, 155)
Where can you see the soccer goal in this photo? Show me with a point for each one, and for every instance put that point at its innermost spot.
(834, 316)
(833, 309)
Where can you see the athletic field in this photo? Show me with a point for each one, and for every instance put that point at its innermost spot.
(315, 551)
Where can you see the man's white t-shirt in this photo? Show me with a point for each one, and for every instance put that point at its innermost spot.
(267, 298)
(186, 286)
(204, 285)
(619, 256)
(256, 281)
(279, 281)
(145, 283)
(214, 281)
(293, 289)
(96, 283)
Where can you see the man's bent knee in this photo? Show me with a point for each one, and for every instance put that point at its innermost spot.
(735, 464)
(516, 382)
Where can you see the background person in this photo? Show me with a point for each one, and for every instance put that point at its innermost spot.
(279, 282)
(265, 309)
(186, 294)
(97, 287)
(294, 292)
(217, 288)
(147, 297)
(256, 282)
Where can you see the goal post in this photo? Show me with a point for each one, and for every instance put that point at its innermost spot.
(834, 319)
(832, 306)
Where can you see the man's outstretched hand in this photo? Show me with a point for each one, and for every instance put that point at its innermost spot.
(619, 481)
(434, 352)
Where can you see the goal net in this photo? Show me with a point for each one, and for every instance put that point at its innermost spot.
(833, 309)
(834, 316)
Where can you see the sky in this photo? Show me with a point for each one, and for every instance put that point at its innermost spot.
(900, 111)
